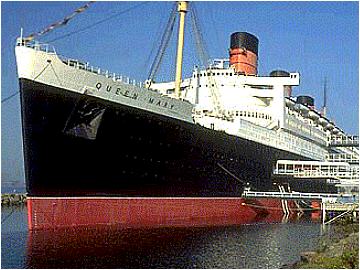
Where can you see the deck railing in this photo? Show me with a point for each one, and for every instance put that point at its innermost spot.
(39, 46)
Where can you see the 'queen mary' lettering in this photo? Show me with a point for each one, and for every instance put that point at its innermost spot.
(133, 95)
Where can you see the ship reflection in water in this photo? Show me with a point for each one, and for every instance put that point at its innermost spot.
(246, 246)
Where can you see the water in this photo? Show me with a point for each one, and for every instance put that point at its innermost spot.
(13, 189)
(245, 246)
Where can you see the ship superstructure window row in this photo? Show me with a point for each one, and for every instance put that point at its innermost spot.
(247, 114)
(208, 74)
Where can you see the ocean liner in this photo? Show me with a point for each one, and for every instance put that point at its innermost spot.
(99, 149)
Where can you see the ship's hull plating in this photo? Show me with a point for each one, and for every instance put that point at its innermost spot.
(50, 212)
(131, 152)
(106, 163)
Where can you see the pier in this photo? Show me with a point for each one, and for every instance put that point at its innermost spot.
(328, 203)
(294, 195)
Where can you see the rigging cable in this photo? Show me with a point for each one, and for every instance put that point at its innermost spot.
(59, 23)
(199, 40)
(9, 97)
(163, 44)
(98, 22)
(157, 37)
(205, 61)
(64, 22)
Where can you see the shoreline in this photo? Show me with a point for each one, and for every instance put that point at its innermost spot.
(8, 199)
(337, 248)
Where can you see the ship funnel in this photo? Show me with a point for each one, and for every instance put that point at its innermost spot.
(244, 52)
(282, 73)
(306, 100)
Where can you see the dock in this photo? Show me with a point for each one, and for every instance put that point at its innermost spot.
(295, 195)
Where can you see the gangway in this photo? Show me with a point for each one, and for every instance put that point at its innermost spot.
(328, 197)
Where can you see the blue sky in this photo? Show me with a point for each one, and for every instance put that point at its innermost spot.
(317, 39)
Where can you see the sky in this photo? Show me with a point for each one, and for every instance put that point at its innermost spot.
(316, 39)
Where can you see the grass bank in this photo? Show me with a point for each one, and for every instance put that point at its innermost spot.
(339, 248)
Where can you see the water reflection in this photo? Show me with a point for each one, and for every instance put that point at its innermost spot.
(245, 246)
(260, 245)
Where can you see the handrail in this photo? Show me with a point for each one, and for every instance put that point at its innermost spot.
(39, 46)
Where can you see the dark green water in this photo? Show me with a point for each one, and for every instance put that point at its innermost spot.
(245, 246)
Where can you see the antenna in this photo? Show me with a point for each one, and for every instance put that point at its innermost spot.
(325, 90)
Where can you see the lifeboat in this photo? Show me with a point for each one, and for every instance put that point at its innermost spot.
(330, 126)
(323, 121)
(314, 115)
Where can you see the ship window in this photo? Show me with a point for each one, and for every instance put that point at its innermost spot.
(213, 85)
(256, 115)
(252, 114)
(218, 74)
(209, 74)
(231, 74)
(240, 113)
(226, 73)
(248, 114)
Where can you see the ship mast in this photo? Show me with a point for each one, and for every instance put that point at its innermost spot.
(182, 9)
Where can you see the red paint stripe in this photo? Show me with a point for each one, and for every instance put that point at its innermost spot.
(30, 213)
(140, 212)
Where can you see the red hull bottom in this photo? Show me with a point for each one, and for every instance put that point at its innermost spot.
(44, 213)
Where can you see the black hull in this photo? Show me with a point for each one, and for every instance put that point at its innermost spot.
(131, 152)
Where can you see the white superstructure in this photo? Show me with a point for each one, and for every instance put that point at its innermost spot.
(40, 63)
(257, 108)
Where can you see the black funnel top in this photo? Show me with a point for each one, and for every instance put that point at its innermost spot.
(244, 40)
(279, 73)
(305, 100)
